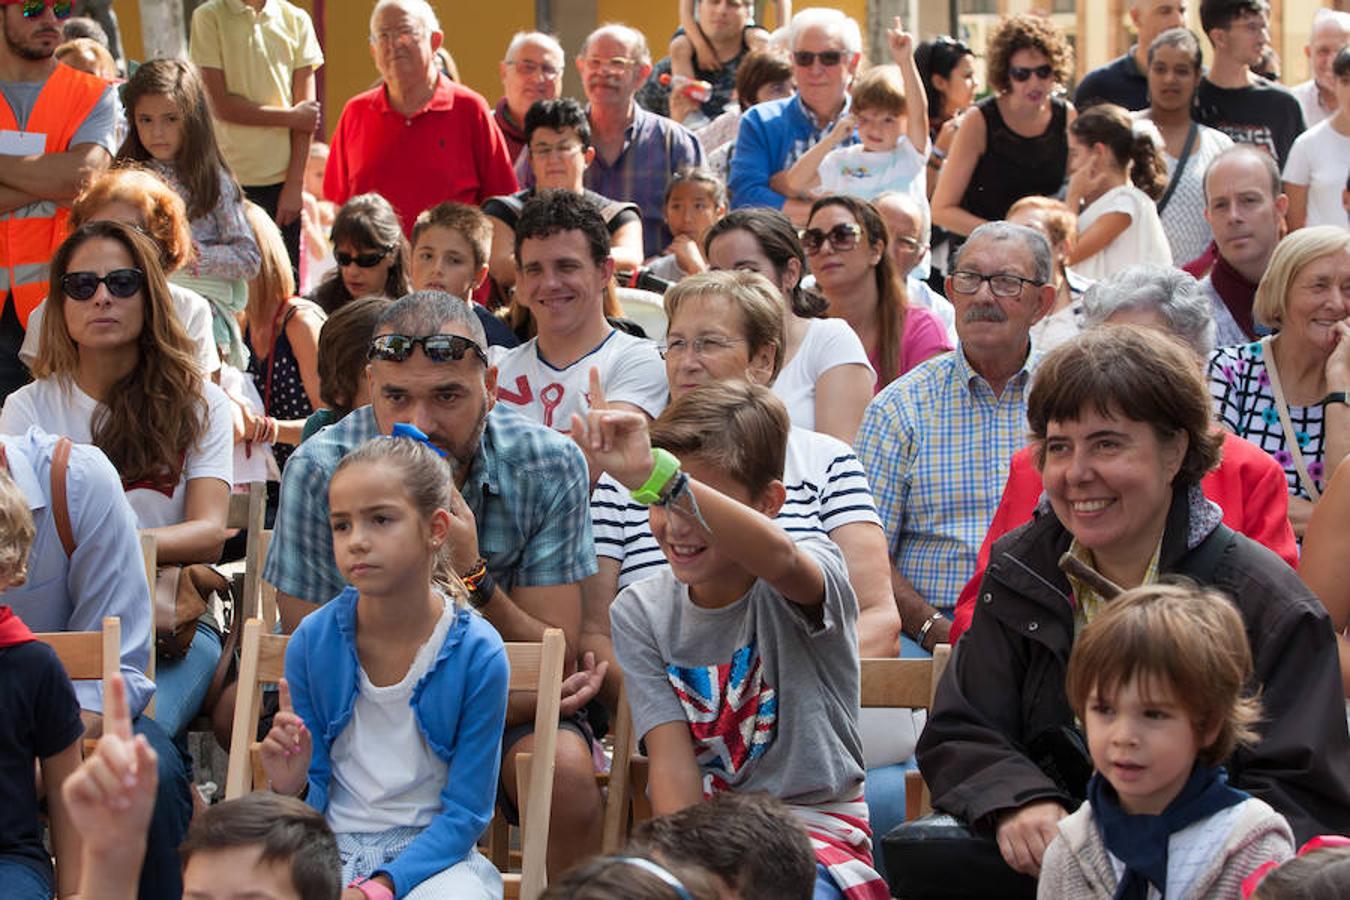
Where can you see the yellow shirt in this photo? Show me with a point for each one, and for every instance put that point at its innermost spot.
(258, 52)
(1087, 601)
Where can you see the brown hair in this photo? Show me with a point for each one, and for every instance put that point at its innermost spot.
(738, 428)
(628, 877)
(1026, 31)
(16, 532)
(366, 220)
(1061, 224)
(467, 220)
(274, 282)
(1139, 373)
(1318, 875)
(758, 300)
(87, 50)
(891, 297)
(344, 342)
(156, 412)
(1185, 639)
(760, 67)
(163, 214)
(1137, 152)
(880, 88)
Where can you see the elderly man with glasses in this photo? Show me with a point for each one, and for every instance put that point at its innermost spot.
(936, 442)
(417, 138)
(531, 71)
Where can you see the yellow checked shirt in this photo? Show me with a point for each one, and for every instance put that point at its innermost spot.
(1087, 602)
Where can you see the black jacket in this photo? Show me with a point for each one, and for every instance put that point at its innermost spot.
(1004, 686)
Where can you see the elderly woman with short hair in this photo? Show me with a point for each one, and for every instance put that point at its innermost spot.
(1124, 433)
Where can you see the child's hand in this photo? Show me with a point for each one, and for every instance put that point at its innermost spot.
(687, 254)
(614, 441)
(111, 796)
(842, 129)
(901, 42)
(287, 747)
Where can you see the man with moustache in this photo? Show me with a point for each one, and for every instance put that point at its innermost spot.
(56, 129)
(936, 442)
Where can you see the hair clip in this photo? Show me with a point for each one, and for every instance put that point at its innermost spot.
(412, 432)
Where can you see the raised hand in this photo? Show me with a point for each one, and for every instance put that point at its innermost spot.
(614, 440)
(842, 129)
(287, 747)
(901, 42)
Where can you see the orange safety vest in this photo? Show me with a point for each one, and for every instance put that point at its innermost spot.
(30, 235)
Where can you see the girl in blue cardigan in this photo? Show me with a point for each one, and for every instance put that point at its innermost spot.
(394, 700)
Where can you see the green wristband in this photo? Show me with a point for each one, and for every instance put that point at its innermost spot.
(664, 467)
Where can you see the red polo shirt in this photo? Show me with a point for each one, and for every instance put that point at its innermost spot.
(449, 150)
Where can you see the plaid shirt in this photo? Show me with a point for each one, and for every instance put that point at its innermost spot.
(936, 445)
(528, 489)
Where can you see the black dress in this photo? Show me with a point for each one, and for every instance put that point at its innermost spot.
(1013, 166)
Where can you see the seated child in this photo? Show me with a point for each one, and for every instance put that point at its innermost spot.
(344, 347)
(695, 200)
(1320, 871)
(633, 877)
(708, 47)
(1157, 680)
(395, 730)
(39, 721)
(741, 661)
(450, 246)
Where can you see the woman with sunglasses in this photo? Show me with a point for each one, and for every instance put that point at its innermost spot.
(1018, 143)
(845, 241)
(371, 253)
(117, 370)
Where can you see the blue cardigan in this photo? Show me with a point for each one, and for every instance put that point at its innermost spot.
(771, 137)
(460, 706)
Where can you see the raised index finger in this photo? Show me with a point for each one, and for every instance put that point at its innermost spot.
(285, 697)
(116, 713)
(596, 392)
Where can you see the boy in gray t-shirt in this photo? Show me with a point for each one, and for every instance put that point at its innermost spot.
(741, 661)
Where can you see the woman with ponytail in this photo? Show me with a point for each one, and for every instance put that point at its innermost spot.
(1116, 175)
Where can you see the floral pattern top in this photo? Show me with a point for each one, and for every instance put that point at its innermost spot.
(1245, 404)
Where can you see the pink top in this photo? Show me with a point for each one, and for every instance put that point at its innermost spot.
(925, 337)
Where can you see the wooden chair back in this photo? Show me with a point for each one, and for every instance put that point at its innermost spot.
(88, 655)
(905, 683)
(262, 660)
(248, 511)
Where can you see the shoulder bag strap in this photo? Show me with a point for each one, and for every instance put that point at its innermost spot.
(1181, 166)
(1290, 440)
(60, 502)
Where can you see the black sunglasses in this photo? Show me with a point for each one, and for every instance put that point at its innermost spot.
(828, 58)
(33, 8)
(1021, 73)
(121, 283)
(842, 237)
(364, 260)
(437, 347)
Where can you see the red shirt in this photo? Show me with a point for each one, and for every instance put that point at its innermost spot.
(450, 150)
(1248, 485)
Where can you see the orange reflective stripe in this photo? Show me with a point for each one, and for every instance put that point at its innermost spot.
(66, 100)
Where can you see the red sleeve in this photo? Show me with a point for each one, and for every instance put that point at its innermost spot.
(1265, 510)
(496, 175)
(335, 178)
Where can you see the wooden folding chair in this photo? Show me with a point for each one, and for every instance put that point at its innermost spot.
(248, 511)
(150, 559)
(88, 655)
(904, 683)
(262, 660)
(619, 794)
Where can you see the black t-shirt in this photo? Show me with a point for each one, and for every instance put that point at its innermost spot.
(39, 717)
(617, 213)
(1263, 114)
(1119, 82)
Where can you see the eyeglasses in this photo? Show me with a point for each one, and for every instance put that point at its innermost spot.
(364, 260)
(33, 8)
(701, 346)
(615, 64)
(1000, 285)
(1022, 73)
(544, 151)
(529, 68)
(438, 348)
(121, 283)
(397, 36)
(828, 58)
(842, 237)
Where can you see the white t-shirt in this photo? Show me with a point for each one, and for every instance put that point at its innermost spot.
(631, 371)
(58, 406)
(193, 310)
(1308, 98)
(828, 343)
(385, 775)
(1319, 161)
(1142, 242)
(867, 173)
(1183, 220)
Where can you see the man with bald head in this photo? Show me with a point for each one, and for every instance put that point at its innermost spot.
(910, 229)
(532, 70)
(417, 138)
(1124, 81)
(1317, 95)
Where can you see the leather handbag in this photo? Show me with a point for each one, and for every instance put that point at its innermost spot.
(182, 596)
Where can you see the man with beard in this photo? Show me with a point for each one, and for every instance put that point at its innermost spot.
(56, 129)
(936, 442)
(521, 534)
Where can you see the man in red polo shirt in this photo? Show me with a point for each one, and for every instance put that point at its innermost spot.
(418, 138)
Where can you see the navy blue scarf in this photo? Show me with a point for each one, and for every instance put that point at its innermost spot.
(1140, 842)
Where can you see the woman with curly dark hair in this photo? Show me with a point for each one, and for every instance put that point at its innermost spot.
(1017, 145)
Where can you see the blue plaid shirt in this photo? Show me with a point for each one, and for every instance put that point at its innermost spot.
(528, 489)
(936, 445)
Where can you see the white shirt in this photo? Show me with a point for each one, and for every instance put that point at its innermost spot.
(58, 406)
(385, 775)
(1142, 242)
(631, 371)
(827, 343)
(1319, 161)
(1311, 101)
(867, 173)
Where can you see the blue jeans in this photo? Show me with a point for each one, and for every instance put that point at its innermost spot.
(885, 786)
(161, 874)
(181, 684)
(22, 881)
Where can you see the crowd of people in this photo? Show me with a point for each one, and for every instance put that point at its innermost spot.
(751, 363)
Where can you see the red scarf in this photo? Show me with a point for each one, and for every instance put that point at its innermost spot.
(12, 629)
(1237, 292)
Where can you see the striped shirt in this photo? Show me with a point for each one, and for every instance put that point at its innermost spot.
(935, 445)
(825, 487)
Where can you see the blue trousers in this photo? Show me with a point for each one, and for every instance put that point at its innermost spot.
(24, 882)
(181, 684)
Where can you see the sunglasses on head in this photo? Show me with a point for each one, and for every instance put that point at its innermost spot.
(1022, 73)
(364, 260)
(33, 8)
(437, 347)
(828, 58)
(842, 237)
(121, 283)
